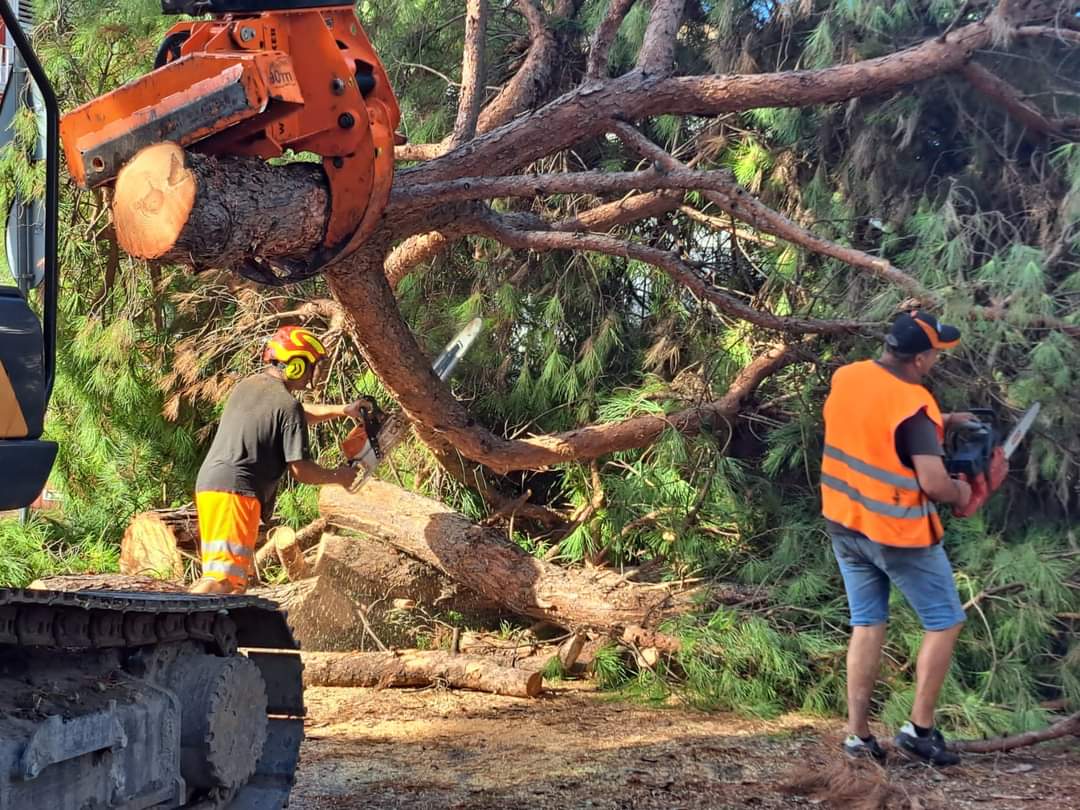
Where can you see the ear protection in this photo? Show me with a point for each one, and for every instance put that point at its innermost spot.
(294, 368)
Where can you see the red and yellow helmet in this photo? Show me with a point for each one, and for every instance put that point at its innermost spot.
(293, 348)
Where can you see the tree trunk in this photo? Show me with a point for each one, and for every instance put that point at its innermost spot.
(485, 561)
(419, 668)
(202, 211)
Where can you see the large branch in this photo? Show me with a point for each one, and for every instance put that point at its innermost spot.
(657, 54)
(604, 37)
(729, 196)
(532, 79)
(584, 111)
(472, 73)
(391, 352)
(629, 209)
(1003, 94)
(681, 273)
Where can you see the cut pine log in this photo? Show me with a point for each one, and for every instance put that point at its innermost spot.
(289, 552)
(419, 668)
(483, 560)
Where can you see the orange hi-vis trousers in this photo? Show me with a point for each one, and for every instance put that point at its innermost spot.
(228, 526)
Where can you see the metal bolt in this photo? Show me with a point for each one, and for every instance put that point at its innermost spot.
(346, 120)
(338, 162)
(247, 34)
(337, 86)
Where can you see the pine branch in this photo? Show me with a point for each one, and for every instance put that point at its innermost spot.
(1062, 728)
(1000, 92)
(604, 37)
(503, 229)
(657, 55)
(473, 73)
(533, 77)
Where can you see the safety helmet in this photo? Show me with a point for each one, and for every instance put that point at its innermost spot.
(293, 349)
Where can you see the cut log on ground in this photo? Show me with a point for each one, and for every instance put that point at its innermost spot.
(156, 543)
(321, 617)
(419, 668)
(105, 582)
(358, 580)
(289, 552)
(305, 539)
(483, 560)
(379, 575)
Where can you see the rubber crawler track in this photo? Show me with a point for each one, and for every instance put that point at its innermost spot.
(72, 620)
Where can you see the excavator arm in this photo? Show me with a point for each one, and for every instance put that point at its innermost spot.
(258, 78)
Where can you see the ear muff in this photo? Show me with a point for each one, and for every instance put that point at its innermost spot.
(294, 369)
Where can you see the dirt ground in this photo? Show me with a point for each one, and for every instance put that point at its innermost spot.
(573, 748)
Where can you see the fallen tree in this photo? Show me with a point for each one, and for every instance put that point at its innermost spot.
(201, 212)
(411, 668)
(483, 560)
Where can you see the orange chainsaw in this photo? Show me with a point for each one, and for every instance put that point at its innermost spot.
(257, 78)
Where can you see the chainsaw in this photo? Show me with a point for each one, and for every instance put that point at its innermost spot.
(378, 433)
(975, 453)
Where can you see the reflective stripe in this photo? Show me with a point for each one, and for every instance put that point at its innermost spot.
(225, 568)
(908, 482)
(880, 507)
(227, 546)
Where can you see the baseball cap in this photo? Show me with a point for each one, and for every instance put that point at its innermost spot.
(918, 331)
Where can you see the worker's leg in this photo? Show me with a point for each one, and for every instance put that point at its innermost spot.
(863, 663)
(935, 656)
(228, 525)
(867, 589)
(925, 577)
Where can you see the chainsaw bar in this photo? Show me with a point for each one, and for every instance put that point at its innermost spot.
(1018, 433)
(367, 452)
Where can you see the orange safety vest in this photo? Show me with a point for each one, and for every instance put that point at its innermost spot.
(864, 485)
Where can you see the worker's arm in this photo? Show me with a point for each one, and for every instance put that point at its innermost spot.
(316, 413)
(308, 472)
(934, 480)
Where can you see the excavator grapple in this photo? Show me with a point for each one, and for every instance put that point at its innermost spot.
(256, 79)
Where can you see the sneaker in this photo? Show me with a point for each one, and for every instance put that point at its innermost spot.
(930, 749)
(858, 748)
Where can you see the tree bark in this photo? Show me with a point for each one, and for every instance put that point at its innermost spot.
(201, 211)
(1062, 728)
(412, 668)
(486, 562)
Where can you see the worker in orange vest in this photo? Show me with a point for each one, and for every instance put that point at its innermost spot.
(882, 472)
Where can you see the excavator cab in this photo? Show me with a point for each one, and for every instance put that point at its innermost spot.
(27, 344)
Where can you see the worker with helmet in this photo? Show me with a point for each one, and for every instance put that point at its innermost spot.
(262, 433)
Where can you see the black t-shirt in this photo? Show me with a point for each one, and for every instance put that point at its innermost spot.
(263, 428)
(916, 436)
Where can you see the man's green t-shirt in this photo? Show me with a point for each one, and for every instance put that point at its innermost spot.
(262, 429)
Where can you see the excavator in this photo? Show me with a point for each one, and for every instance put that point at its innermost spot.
(164, 700)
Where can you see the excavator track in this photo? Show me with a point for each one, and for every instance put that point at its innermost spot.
(82, 672)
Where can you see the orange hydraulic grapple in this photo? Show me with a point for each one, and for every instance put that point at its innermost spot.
(259, 77)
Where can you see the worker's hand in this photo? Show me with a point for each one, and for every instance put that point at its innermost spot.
(345, 476)
(954, 420)
(963, 493)
(353, 409)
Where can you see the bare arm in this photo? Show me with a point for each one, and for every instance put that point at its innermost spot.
(934, 480)
(320, 413)
(308, 472)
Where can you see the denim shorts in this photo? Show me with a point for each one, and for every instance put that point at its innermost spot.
(923, 575)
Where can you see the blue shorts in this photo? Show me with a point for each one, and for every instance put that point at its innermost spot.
(923, 575)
